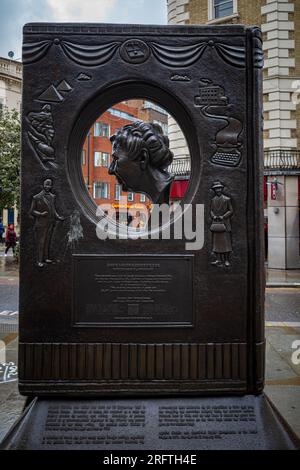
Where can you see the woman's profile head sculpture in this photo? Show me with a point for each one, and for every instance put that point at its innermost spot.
(141, 156)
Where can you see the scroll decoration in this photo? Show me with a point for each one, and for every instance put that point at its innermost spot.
(172, 56)
(79, 53)
(258, 58)
(176, 56)
(89, 55)
(183, 56)
(34, 51)
(233, 55)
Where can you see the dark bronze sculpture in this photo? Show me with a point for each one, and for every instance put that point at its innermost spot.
(41, 133)
(141, 156)
(135, 316)
(216, 106)
(221, 211)
(44, 212)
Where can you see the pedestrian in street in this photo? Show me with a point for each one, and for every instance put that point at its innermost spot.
(2, 230)
(10, 239)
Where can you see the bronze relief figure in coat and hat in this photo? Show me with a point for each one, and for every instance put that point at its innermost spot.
(221, 212)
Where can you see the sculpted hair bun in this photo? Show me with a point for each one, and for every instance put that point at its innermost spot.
(133, 138)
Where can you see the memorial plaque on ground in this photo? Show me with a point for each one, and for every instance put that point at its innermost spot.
(239, 423)
(174, 307)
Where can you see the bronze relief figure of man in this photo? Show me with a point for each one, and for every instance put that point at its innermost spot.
(141, 156)
(221, 212)
(44, 212)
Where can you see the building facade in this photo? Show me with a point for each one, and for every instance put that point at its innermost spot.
(10, 98)
(280, 24)
(10, 84)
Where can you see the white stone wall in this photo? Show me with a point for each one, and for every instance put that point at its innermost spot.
(176, 13)
(178, 145)
(10, 96)
(278, 84)
(10, 83)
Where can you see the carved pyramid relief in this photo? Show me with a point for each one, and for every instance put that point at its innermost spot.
(54, 94)
(51, 95)
(64, 86)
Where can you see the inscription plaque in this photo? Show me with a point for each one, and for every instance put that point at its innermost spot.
(210, 423)
(136, 290)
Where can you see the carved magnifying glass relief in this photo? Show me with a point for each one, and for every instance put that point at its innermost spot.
(135, 155)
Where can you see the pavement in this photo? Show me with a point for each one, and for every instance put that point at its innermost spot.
(282, 343)
(282, 278)
(283, 372)
(11, 402)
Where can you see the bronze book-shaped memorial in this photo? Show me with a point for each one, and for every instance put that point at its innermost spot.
(142, 315)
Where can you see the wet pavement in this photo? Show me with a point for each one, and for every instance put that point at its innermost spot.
(282, 373)
(282, 278)
(11, 402)
(282, 305)
(282, 330)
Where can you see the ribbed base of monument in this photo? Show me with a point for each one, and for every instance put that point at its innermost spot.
(233, 423)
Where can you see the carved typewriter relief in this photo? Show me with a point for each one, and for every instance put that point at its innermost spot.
(215, 105)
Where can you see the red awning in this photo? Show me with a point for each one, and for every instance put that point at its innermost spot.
(178, 189)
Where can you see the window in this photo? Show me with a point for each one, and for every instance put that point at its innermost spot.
(122, 114)
(100, 190)
(130, 197)
(150, 105)
(222, 8)
(101, 129)
(101, 159)
(83, 157)
(117, 192)
(142, 198)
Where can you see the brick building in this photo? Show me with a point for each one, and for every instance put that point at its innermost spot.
(280, 24)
